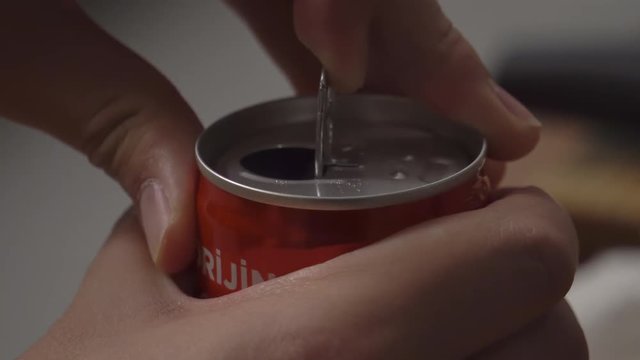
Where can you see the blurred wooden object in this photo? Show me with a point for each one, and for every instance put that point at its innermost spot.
(597, 181)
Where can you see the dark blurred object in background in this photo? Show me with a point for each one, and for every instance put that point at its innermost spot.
(601, 83)
(589, 154)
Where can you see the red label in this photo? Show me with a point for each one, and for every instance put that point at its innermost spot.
(245, 242)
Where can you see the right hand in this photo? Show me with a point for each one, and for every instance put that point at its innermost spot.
(405, 47)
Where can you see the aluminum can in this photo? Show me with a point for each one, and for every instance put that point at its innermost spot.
(262, 214)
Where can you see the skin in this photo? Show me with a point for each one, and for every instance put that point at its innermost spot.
(102, 99)
(488, 283)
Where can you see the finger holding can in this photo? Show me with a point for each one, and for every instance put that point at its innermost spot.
(445, 289)
(483, 283)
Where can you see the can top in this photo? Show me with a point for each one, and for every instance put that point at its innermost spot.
(388, 150)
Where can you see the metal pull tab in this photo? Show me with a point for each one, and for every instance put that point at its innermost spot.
(324, 127)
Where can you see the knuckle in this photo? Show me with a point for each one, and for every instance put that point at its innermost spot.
(544, 249)
(449, 45)
(445, 34)
(114, 140)
(105, 131)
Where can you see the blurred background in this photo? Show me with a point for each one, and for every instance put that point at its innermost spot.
(576, 61)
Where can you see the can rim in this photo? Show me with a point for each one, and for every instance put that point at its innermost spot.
(337, 203)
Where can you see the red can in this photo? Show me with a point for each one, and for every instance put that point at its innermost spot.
(262, 214)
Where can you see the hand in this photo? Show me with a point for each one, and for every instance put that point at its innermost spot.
(82, 86)
(485, 284)
(61, 73)
(406, 47)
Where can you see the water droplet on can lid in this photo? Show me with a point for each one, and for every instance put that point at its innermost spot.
(398, 175)
(438, 160)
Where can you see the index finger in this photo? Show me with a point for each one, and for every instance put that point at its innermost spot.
(61, 73)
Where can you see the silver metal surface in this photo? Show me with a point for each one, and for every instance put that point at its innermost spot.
(324, 127)
(403, 152)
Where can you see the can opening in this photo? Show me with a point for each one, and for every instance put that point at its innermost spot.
(286, 163)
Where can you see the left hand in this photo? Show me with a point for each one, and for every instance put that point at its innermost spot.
(486, 284)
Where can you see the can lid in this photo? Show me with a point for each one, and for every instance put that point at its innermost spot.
(389, 150)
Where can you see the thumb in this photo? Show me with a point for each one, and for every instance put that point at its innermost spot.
(82, 86)
(151, 155)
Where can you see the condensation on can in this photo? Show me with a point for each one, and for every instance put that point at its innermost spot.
(255, 231)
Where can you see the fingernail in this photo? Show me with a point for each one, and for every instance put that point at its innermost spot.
(155, 214)
(515, 106)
